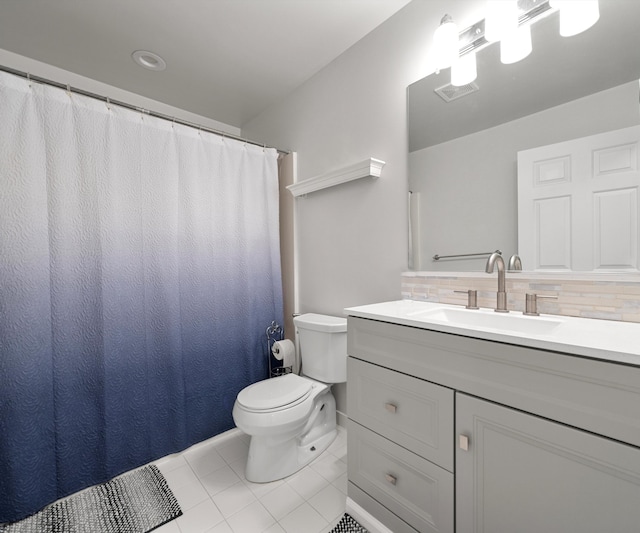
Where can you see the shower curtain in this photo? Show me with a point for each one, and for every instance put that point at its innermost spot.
(139, 269)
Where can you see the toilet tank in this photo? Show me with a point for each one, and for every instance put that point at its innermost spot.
(323, 346)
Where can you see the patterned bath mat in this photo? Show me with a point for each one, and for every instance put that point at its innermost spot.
(135, 502)
(348, 525)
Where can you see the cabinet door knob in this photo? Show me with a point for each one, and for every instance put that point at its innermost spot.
(391, 479)
(390, 407)
(463, 442)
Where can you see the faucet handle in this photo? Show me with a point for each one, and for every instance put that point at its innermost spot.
(531, 303)
(515, 263)
(472, 300)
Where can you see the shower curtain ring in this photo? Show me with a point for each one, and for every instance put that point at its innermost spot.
(108, 104)
(29, 79)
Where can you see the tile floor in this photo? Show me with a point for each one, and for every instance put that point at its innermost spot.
(208, 481)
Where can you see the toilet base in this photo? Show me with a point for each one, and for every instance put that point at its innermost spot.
(274, 457)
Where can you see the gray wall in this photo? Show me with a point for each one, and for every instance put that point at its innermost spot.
(352, 239)
(468, 186)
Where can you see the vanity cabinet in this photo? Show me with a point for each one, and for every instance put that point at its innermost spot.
(532, 440)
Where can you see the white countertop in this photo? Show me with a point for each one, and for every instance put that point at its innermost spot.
(607, 340)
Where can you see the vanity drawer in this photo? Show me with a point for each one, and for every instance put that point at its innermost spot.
(412, 488)
(412, 412)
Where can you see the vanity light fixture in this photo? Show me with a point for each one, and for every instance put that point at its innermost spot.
(508, 22)
(149, 60)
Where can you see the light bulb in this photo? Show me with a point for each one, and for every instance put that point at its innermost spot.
(576, 16)
(501, 19)
(516, 45)
(463, 70)
(445, 40)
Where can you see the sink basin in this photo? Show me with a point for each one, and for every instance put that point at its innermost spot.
(505, 322)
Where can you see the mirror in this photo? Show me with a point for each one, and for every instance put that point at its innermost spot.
(462, 154)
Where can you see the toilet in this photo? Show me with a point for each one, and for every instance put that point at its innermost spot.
(292, 418)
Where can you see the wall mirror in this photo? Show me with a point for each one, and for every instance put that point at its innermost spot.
(463, 154)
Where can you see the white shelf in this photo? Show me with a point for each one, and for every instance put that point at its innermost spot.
(369, 168)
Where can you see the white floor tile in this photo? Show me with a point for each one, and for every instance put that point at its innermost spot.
(339, 442)
(307, 482)
(180, 476)
(239, 467)
(233, 499)
(281, 501)
(221, 479)
(341, 453)
(200, 518)
(275, 528)
(254, 518)
(329, 467)
(304, 519)
(341, 483)
(189, 495)
(330, 502)
(222, 527)
(204, 460)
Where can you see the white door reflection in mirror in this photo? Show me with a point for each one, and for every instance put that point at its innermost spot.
(578, 203)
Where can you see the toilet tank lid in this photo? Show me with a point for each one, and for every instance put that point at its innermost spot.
(316, 322)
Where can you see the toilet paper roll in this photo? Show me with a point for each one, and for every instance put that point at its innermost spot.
(284, 351)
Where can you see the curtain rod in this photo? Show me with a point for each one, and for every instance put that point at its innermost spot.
(132, 107)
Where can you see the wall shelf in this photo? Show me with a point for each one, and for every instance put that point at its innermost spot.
(369, 168)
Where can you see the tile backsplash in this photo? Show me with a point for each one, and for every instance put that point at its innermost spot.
(603, 296)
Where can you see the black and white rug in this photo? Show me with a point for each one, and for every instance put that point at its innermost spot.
(348, 525)
(135, 502)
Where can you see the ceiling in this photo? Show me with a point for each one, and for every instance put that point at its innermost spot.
(227, 60)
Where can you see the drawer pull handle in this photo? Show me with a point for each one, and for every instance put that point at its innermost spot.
(464, 442)
(391, 479)
(390, 407)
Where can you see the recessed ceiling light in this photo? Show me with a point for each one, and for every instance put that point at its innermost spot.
(149, 60)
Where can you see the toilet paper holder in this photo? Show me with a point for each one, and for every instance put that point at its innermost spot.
(275, 332)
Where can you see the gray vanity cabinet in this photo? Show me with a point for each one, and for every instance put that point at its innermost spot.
(521, 473)
(542, 441)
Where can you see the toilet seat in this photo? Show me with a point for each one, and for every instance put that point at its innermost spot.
(275, 394)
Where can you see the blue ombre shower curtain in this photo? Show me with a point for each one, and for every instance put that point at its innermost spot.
(139, 269)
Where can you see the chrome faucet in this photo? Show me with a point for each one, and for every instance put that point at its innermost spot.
(496, 259)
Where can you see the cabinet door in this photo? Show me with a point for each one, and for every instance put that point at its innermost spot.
(524, 474)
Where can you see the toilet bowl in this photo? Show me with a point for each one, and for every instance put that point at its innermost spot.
(292, 419)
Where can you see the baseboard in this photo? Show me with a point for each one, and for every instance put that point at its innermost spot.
(341, 419)
(365, 519)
